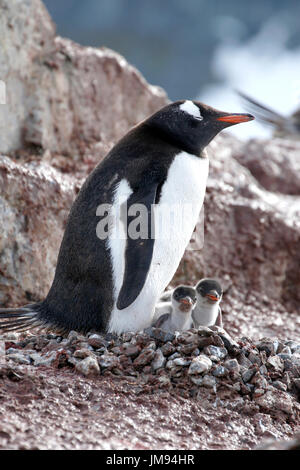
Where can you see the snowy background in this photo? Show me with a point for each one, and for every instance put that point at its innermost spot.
(204, 49)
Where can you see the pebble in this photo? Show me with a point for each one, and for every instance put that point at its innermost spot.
(159, 360)
(248, 374)
(220, 371)
(180, 361)
(82, 353)
(168, 348)
(108, 361)
(196, 379)
(97, 341)
(216, 351)
(275, 364)
(232, 365)
(267, 345)
(280, 385)
(297, 383)
(131, 350)
(199, 365)
(205, 331)
(244, 361)
(254, 358)
(209, 381)
(88, 366)
(159, 334)
(19, 358)
(144, 358)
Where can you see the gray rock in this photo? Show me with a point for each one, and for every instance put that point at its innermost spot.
(44, 360)
(296, 382)
(205, 331)
(88, 366)
(209, 382)
(144, 358)
(247, 376)
(199, 365)
(229, 342)
(286, 350)
(268, 345)
(292, 345)
(131, 350)
(19, 358)
(211, 350)
(97, 341)
(275, 363)
(232, 365)
(182, 362)
(220, 371)
(196, 379)
(159, 360)
(108, 361)
(174, 356)
(151, 345)
(83, 353)
(168, 348)
(244, 361)
(279, 385)
(159, 334)
(254, 358)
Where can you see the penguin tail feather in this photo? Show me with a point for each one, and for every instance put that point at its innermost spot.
(18, 319)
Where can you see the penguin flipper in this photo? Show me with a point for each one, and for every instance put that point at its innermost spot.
(162, 308)
(161, 320)
(139, 251)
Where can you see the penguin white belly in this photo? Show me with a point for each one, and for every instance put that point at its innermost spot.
(205, 315)
(182, 195)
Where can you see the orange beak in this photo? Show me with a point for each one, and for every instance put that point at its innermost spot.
(212, 297)
(236, 118)
(186, 301)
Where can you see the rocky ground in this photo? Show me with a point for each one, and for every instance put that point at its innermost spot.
(66, 107)
(198, 389)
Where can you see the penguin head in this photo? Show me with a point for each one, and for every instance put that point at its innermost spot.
(209, 291)
(191, 125)
(184, 298)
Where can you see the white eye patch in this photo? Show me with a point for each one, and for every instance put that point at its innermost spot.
(190, 108)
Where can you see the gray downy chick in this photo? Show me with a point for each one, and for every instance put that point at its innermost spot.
(207, 311)
(176, 315)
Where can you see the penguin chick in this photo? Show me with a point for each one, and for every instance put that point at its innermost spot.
(284, 126)
(207, 311)
(177, 314)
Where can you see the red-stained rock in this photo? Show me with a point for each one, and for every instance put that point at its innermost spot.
(62, 97)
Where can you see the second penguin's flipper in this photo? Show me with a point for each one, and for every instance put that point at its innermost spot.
(139, 251)
(161, 320)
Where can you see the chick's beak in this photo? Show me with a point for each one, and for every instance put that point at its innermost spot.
(186, 301)
(212, 296)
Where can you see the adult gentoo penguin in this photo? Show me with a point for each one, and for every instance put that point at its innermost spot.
(176, 315)
(110, 281)
(207, 310)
